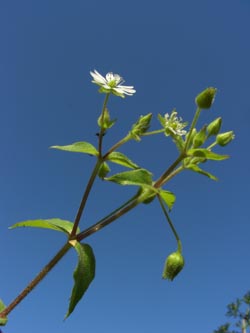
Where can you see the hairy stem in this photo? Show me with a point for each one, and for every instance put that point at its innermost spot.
(36, 280)
(102, 131)
(194, 122)
(85, 197)
(162, 178)
(117, 145)
(131, 203)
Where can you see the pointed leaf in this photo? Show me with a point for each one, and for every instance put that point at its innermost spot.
(202, 152)
(168, 197)
(83, 274)
(3, 321)
(195, 168)
(137, 177)
(122, 159)
(79, 147)
(54, 224)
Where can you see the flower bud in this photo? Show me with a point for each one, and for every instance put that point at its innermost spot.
(173, 265)
(214, 127)
(104, 120)
(223, 139)
(206, 98)
(200, 138)
(104, 170)
(141, 126)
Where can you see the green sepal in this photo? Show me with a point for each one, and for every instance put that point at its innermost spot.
(119, 158)
(54, 224)
(107, 122)
(180, 143)
(168, 197)
(195, 168)
(3, 321)
(83, 275)
(214, 127)
(139, 177)
(104, 170)
(200, 137)
(161, 120)
(194, 131)
(79, 147)
(140, 127)
(205, 153)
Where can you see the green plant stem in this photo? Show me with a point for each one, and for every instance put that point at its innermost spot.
(170, 223)
(194, 122)
(102, 131)
(212, 145)
(130, 204)
(93, 175)
(162, 178)
(85, 197)
(173, 174)
(154, 132)
(127, 206)
(36, 280)
(117, 145)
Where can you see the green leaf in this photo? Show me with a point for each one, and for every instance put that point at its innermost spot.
(195, 168)
(79, 147)
(137, 177)
(203, 152)
(168, 197)
(3, 321)
(54, 224)
(122, 159)
(83, 274)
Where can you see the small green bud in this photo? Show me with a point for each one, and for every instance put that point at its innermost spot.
(150, 196)
(214, 127)
(223, 139)
(104, 170)
(141, 126)
(200, 137)
(104, 121)
(173, 265)
(206, 98)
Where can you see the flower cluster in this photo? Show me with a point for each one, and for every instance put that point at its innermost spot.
(174, 125)
(112, 83)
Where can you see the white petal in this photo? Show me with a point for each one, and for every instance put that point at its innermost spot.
(98, 78)
(127, 89)
(109, 77)
(120, 90)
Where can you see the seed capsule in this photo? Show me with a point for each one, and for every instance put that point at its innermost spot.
(173, 265)
(206, 98)
(224, 138)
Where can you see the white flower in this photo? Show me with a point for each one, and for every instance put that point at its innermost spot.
(173, 125)
(112, 83)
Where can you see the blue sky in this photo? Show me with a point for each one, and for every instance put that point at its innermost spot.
(170, 51)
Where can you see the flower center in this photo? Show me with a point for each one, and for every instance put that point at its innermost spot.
(112, 83)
